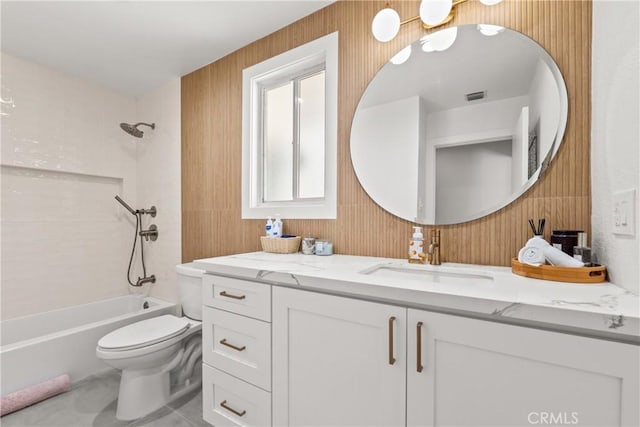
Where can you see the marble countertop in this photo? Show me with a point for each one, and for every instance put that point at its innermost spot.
(487, 292)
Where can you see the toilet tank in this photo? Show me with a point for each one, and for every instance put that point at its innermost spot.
(190, 289)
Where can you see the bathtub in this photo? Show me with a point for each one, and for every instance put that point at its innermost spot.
(41, 346)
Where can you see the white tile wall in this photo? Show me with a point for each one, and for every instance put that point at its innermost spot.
(159, 183)
(615, 134)
(63, 123)
(64, 240)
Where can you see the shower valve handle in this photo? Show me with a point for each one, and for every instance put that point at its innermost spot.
(151, 233)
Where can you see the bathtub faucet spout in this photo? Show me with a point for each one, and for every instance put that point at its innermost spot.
(142, 280)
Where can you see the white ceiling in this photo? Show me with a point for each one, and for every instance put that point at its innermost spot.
(135, 46)
(502, 65)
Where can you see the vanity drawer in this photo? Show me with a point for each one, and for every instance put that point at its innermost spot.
(228, 401)
(237, 345)
(237, 296)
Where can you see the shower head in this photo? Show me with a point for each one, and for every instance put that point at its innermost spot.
(133, 129)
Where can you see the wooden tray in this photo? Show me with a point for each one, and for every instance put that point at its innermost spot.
(595, 274)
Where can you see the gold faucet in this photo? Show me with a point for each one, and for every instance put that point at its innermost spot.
(434, 248)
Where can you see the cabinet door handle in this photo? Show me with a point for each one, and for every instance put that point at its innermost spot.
(225, 294)
(392, 359)
(230, 409)
(224, 342)
(419, 366)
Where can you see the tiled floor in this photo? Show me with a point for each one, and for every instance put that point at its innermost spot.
(92, 402)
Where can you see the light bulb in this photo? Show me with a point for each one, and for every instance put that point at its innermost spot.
(426, 47)
(433, 12)
(490, 30)
(402, 56)
(490, 2)
(426, 44)
(385, 25)
(440, 41)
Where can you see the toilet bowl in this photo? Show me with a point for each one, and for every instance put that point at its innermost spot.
(159, 357)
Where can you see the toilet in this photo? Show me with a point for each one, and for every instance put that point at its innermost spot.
(159, 357)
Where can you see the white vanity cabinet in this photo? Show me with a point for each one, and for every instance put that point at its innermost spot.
(468, 372)
(341, 361)
(236, 352)
(337, 361)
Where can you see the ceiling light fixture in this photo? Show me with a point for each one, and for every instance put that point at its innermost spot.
(440, 40)
(433, 13)
(385, 24)
(490, 30)
(402, 56)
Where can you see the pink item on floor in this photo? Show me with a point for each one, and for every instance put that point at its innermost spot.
(34, 394)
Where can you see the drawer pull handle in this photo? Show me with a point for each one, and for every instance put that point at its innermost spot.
(392, 359)
(224, 342)
(230, 409)
(419, 366)
(225, 294)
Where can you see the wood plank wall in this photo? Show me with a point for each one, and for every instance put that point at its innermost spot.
(212, 138)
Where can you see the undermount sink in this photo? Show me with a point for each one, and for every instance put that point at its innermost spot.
(433, 274)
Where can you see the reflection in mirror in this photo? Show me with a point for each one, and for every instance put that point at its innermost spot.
(459, 124)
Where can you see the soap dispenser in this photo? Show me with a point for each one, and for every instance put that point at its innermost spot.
(269, 227)
(276, 231)
(416, 247)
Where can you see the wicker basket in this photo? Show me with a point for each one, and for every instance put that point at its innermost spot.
(277, 245)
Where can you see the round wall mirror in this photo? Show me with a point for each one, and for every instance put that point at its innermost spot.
(458, 124)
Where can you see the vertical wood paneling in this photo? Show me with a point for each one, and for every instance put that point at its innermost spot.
(212, 138)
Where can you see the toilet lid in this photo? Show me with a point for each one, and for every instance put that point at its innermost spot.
(144, 333)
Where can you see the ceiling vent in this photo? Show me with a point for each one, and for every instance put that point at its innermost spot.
(474, 96)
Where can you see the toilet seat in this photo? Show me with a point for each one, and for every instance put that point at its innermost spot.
(144, 334)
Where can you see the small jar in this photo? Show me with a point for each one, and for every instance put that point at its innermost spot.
(565, 240)
(324, 247)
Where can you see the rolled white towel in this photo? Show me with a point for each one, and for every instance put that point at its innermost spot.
(531, 255)
(553, 255)
(556, 257)
(537, 242)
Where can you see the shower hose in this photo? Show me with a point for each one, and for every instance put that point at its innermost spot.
(138, 216)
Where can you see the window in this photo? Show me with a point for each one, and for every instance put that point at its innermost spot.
(293, 138)
(290, 132)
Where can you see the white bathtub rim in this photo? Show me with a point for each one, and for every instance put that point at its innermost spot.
(155, 304)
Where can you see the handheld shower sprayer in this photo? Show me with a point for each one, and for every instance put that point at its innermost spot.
(151, 211)
(127, 207)
(151, 233)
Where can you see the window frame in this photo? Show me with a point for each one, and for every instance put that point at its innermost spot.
(295, 78)
(303, 61)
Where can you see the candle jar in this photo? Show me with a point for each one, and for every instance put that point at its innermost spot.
(565, 240)
(308, 245)
(324, 247)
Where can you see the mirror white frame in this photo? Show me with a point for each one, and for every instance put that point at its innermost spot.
(411, 100)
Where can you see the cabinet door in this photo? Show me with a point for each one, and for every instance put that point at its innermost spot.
(337, 361)
(484, 373)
